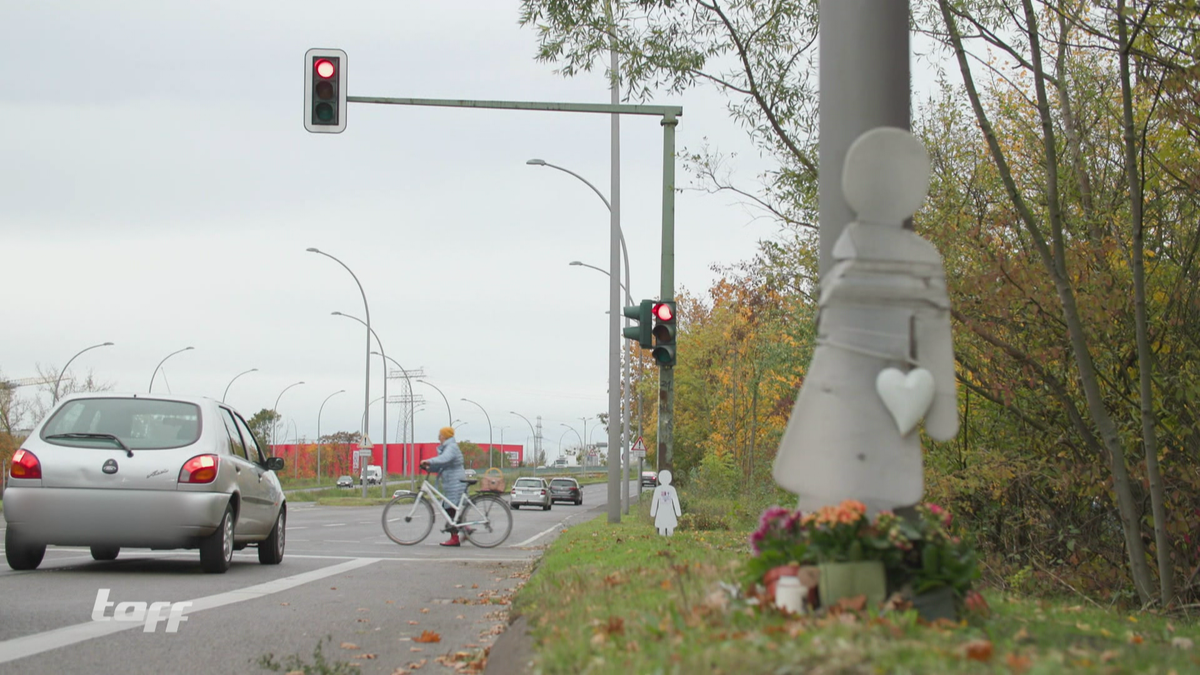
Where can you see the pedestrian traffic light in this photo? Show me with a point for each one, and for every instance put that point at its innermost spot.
(325, 91)
(640, 313)
(664, 334)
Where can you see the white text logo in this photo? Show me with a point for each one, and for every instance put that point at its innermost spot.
(139, 612)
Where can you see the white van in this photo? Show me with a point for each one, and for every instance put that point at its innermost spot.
(374, 474)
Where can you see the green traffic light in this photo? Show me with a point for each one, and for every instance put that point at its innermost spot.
(323, 112)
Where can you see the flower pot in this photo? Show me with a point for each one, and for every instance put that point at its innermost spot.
(936, 604)
(851, 579)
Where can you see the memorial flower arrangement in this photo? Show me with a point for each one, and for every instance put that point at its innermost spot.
(919, 554)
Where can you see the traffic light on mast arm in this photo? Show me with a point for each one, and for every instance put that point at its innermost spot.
(664, 334)
(642, 314)
(325, 91)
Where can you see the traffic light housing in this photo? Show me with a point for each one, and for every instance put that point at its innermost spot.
(664, 334)
(643, 314)
(325, 91)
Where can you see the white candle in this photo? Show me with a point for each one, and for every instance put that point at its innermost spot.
(789, 595)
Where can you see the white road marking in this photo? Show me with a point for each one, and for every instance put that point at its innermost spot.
(334, 525)
(29, 645)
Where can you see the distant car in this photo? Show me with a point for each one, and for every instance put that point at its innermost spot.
(470, 473)
(345, 482)
(649, 479)
(108, 470)
(565, 490)
(530, 492)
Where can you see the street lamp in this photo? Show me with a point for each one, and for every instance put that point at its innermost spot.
(367, 377)
(531, 432)
(235, 377)
(366, 421)
(153, 375)
(319, 411)
(275, 422)
(412, 412)
(582, 445)
(449, 417)
(614, 339)
(489, 421)
(60, 373)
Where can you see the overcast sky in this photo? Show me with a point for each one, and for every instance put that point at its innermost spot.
(158, 190)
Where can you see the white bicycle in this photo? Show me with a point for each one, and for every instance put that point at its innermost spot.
(484, 519)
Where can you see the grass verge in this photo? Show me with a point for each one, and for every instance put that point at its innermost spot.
(622, 599)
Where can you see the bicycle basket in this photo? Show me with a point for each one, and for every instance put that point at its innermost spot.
(492, 481)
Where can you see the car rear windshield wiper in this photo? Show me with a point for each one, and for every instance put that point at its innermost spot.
(110, 437)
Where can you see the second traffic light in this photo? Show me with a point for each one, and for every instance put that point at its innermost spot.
(664, 333)
(643, 315)
(325, 91)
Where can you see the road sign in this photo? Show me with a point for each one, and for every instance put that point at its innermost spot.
(638, 446)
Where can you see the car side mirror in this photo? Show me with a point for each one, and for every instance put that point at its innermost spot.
(275, 464)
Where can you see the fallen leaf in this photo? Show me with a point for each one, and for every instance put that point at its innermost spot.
(285, 604)
(474, 585)
(666, 584)
(424, 610)
(349, 645)
(417, 665)
(364, 621)
(1083, 626)
(428, 636)
(368, 657)
(1022, 636)
(416, 649)
(294, 672)
(1018, 663)
(1132, 619)
(978, 650)
(400, 671)
(414, 623)
(391, 602)
(1182, 643)
(1135, 639)
(1109, 655)
(856, 604)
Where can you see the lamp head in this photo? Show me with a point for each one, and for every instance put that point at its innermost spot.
(187, 348)
(107, 344)
(335, 313)
(575, 263)
(536, 162)
(312, 250)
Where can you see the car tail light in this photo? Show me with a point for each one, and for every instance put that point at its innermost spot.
(199, 469)
(25, 464)
(543, 493)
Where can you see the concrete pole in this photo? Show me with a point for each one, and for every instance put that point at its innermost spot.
(614, 290)
(864, 83)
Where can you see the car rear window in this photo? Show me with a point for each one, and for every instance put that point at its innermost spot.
(529, 482)
(562, 482)
(140, 423)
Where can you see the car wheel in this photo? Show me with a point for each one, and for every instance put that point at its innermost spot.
(216, 550)
(105, 552)
(546, 507)
(579, 502)
(270, 550)
(22, 555)
(514, 506)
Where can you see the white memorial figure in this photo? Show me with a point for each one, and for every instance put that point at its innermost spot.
(664, 507)
(884, 357)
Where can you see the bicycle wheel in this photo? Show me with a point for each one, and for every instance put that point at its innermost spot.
(486, 521)
(407, 519)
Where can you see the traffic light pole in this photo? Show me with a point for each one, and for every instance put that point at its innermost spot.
(666, 383)
(666, 374)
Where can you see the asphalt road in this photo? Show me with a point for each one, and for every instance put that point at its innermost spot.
(341, 580)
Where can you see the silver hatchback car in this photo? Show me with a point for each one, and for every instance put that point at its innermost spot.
(111, 470)
(530, 492)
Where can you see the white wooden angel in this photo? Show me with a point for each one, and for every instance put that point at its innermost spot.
(664, 507)
(884, 358)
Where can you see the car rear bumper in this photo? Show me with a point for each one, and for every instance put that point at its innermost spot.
(132, 518)
(529, 501)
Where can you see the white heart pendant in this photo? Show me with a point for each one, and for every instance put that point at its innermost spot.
(907, 397)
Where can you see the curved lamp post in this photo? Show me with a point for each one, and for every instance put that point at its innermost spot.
(411, 412)
(449, 416)
(275, 423)
(531, 432)
(319, 411)
(582, 445)
(367, 309)
(152, 376)
(491, 447)
(235, 377)
(366, 429)
(64, 370)
(615, 494)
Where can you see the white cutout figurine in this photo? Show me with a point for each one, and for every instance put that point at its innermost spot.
(884, 358)
(664, 507)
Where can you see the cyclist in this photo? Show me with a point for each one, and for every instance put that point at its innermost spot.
(449, 466)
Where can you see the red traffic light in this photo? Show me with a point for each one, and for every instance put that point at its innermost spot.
(663, 312)
(324, 68)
